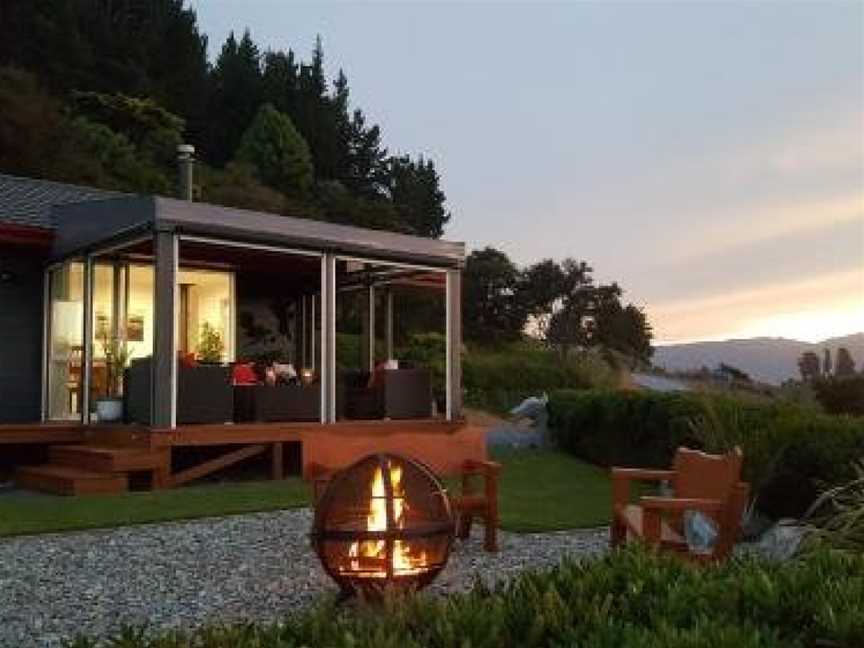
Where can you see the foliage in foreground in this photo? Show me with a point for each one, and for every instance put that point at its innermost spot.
(790, 454)
(629, 598)
(838, 516)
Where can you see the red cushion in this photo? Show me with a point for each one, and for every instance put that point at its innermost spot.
(188, 360)
(244, 374)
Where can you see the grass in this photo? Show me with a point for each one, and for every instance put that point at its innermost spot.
(540, 491)
(27, 514)
(544, 490)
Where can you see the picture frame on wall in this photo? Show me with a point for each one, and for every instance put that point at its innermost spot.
(135, 328)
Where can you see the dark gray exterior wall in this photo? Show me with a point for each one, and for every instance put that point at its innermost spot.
(21, 277)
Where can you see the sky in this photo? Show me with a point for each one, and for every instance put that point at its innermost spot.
(707, 157)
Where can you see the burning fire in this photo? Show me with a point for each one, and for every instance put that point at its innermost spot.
(368, 558)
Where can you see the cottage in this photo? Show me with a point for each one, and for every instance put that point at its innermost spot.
(132, 325)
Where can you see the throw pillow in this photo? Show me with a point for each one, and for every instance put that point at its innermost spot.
(244, 374)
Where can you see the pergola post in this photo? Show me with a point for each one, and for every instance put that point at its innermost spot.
(389, 324)
(454, 344)
(328, 338)
(164, 378)
(371, 313)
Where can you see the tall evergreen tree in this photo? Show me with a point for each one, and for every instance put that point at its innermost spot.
(845, 365)
(151, 49)
(365, 171)
(415, 190)
(809, 366)
(278, 152)
(280, 82)
(236, 94)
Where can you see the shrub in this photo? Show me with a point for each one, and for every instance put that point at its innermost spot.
(628, 598)
(838, 516)
(499, 379)
(790, 453)
(841, 394)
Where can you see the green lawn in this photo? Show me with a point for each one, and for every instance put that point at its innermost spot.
(543, 490)
(540, 491)
(25, 513)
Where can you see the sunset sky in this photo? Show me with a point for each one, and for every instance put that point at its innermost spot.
(708, 157)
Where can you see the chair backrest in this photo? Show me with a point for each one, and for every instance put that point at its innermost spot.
(717, 477)
(707, 476)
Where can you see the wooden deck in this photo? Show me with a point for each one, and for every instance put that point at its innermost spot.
(44, 433)
(118, 450)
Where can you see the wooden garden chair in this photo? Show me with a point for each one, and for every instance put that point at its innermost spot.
(700, 482)
(474, 501)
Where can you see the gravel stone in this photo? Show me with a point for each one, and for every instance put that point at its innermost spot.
(184, 574)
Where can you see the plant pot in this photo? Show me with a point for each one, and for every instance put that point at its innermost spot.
(109, 410)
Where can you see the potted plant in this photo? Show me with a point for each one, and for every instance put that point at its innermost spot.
(109, 407)
(210, 344)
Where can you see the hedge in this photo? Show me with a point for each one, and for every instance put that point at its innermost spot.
(790, 453)
(627, 598)
(499, 379)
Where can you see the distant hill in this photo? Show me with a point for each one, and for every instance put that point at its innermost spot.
(770, 360)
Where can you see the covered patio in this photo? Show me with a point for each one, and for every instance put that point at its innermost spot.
(247, 331)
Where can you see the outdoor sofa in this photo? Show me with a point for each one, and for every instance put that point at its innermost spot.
(204, 393)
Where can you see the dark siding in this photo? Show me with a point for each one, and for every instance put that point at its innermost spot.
(20, 334)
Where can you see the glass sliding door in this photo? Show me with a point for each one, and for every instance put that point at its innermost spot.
(206, 314)
(65, 350)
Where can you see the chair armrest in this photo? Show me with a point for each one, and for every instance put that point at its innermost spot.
(481, 467)
(621, 478)
(681, 503)
(642, 474)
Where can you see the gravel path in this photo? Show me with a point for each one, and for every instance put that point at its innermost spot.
(224, 569)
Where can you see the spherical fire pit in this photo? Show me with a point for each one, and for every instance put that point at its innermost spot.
(383, 522)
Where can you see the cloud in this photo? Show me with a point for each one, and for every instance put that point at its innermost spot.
(808, 309)
(727, 230)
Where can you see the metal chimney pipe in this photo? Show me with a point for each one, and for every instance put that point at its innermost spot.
(186, 170)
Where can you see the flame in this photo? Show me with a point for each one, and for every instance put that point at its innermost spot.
(374, 552)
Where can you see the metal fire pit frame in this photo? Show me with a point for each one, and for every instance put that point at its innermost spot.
(444, 529)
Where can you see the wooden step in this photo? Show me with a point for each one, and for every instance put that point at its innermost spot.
(106, 459)
(68, 480)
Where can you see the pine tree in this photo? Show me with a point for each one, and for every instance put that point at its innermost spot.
(845, 365)
(366, 167)
(280, 82)
(415, 190)
(809, 366)
(237, 90)
(278, 152)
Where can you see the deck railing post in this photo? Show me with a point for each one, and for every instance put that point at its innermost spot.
(164, 378)
(454, 344)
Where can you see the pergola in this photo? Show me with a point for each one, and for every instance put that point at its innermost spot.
(86, 231)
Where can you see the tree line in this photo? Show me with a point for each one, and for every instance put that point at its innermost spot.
(558, 303)
(101, 91)
(835, 383)
(812, 368)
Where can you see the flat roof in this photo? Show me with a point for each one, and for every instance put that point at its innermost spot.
(87, 226)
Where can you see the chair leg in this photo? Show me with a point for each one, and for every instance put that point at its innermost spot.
(490, 536)
(617, 533)
(463, 525)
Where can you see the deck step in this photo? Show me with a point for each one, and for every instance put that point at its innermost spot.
(106, 459)
(68, 480)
